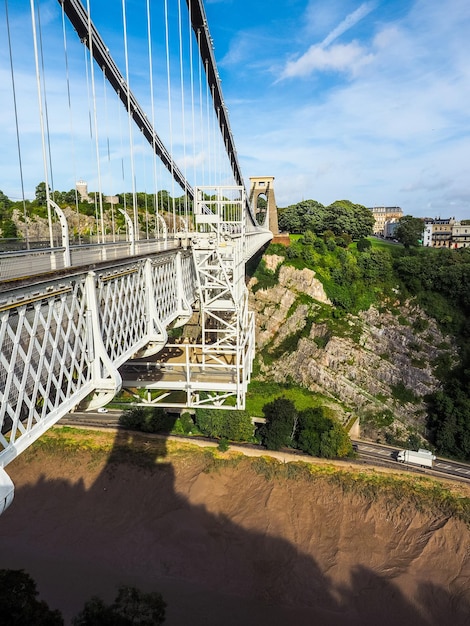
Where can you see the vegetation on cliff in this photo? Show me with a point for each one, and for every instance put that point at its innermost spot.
(28, 218)
(316, 430)
(19, 605)
(357, 276)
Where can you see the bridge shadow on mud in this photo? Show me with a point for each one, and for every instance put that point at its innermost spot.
(81, 527)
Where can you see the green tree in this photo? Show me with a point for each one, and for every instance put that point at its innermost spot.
(345, 217)
(164, 200)
(305, 215)
(321, 434)
(147, 419)
(410, 231)
(41, 195)
(5, 206)
(364, 244)
(8, 229)
(449, 419)
(70, 197)
(130, 607)
(281, 424)
(375, 266)
(224, 423)
(18, 602)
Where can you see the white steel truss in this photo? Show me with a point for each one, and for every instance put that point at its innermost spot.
(218, 247)
(214, 369)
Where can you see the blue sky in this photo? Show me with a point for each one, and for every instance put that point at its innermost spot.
(337, 100)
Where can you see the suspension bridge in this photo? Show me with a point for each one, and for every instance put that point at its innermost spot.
(95, 307)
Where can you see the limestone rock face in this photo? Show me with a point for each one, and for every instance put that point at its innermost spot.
(272, 306)
(360, 367)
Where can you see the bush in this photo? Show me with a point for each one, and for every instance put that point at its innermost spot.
(132, 418)
(131, 606)
(420, 324)
(281, 421)
(403, 394)
(321, 434)
(363, 244)
(223, 423)
(223, 445)
(18, 602)
(147, 420)
(266, 278)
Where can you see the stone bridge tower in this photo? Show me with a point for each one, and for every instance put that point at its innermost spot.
(263, 186)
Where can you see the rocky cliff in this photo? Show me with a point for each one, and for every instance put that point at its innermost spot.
(381, 362)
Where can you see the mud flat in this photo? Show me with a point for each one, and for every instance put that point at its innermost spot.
(234, 540)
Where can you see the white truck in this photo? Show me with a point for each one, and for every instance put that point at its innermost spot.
(422, 457)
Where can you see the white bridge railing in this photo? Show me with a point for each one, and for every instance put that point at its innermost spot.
(63, 341)
(29, 263)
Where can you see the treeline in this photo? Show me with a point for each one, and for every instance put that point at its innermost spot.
(315, 431)
(19, 606)
(146, 204)
(341, 217)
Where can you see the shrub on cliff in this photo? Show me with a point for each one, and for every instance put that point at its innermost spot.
(131, 606)
(19, 604)
(223, 423)
(147, 420)
(281, 423)
(321, 434)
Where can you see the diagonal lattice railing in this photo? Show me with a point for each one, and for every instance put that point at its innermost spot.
(64, 340)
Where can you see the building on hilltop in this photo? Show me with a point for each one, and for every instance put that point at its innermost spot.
(82, 189)
(461, 235)
(438, 233)
(385, 215)
(390, 228)
(446, 233)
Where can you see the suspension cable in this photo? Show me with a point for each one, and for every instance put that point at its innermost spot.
(170, 118)
(20, 161)
(152, 103)
(72, 133)
(144, 170)
(110, 173)
(122, 163)
(129, 117)
(46, 111)
(191, 74)
(183, 117)
(95, 124)
(41, 119)
(208, 140)
(201, 125)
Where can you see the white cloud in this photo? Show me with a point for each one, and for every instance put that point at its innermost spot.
(351, 20)
(341, 58)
